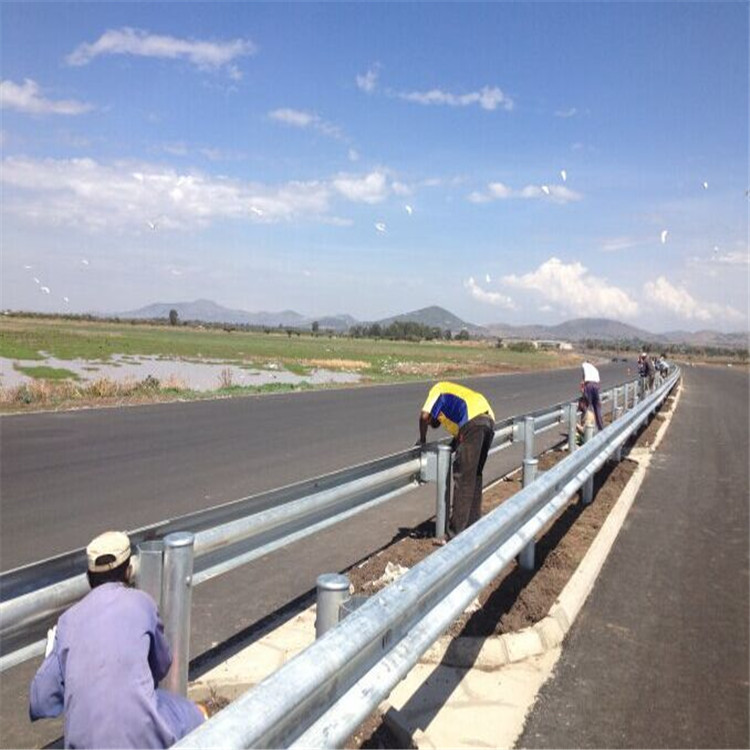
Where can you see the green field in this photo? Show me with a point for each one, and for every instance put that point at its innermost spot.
(374, 359)
(32, 338)
(42, 372)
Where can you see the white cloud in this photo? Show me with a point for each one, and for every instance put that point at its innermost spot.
(677, 300)
(369, 81)
(574, 290)
(498, 191)
(121, 196)
(124, 195)
(614, 244)
(401, 188)
(372, 188)
(353, 154)
(491, 298)
(28, 98)
(487, 98)
(733, 259)
(299, 119)
(476, 197)
(127, 41)
(565, 113)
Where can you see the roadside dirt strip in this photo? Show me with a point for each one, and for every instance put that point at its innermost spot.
(475, 685)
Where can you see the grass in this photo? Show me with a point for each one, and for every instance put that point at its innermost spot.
(375, 360)
(42, 372)
(378, 360)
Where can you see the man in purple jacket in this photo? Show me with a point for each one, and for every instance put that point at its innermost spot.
(104, 660)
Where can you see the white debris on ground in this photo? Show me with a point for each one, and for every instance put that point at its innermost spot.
(392, 573)
(206, 375)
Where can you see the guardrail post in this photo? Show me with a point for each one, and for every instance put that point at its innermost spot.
(528, 437)
(614, 403)
(617, 455)
(332, 592)
(150, 568)
(443, 492)
(527, 554)
(587, 490)
(177, 588)
(572, 421)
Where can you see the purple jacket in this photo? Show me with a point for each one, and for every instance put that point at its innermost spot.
(108, 657)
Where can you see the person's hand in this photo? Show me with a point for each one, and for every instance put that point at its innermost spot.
(51, 633)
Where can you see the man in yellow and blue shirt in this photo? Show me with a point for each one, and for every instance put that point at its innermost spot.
(467, 416)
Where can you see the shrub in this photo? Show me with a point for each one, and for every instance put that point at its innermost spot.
(225, 378)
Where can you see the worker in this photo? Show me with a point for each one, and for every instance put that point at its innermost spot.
(468, 417)
(590, 389)
(104, 660)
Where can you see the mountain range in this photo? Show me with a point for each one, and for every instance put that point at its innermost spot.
(207, 311)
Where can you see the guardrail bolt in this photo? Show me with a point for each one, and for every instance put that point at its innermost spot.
(332, 592)
(443, 491)
(177, 589)
(150, 568)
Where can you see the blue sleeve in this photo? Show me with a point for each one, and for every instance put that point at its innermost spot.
(47, 690)
(159, 654)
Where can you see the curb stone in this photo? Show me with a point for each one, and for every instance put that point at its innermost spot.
(488, 654)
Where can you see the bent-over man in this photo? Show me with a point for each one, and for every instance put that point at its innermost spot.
(467, 416)
(104, 660)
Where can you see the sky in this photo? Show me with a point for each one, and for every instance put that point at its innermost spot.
(512, 162)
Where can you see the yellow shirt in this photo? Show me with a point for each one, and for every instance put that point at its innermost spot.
(454, 405)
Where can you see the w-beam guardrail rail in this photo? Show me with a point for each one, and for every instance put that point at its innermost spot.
(320, 697)
(235, 533)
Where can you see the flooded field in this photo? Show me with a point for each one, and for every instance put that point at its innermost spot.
(204, 376)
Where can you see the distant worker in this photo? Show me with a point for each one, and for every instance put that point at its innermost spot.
(650, 372)
(590, 391)
(467, 416)
(104, 660)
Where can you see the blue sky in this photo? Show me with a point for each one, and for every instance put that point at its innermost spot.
(514, 162)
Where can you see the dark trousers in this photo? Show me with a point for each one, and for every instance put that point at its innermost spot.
(474, 441)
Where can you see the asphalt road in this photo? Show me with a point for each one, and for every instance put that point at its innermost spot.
(64, 477)
(659, 654)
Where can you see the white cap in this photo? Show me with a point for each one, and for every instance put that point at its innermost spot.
(110, 544)
(590, 373)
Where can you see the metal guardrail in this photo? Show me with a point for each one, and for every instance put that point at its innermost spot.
(320, 697)
(235, 533)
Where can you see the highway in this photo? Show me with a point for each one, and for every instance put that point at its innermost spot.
(67, 476)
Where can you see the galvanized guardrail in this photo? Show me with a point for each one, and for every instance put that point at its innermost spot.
(320, 697)
(235, 533)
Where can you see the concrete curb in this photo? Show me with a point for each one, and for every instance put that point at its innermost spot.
(488, 654)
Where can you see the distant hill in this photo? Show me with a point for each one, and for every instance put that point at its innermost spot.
(207, 311)
(579, 329)
(435, 317)
(575, 330)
